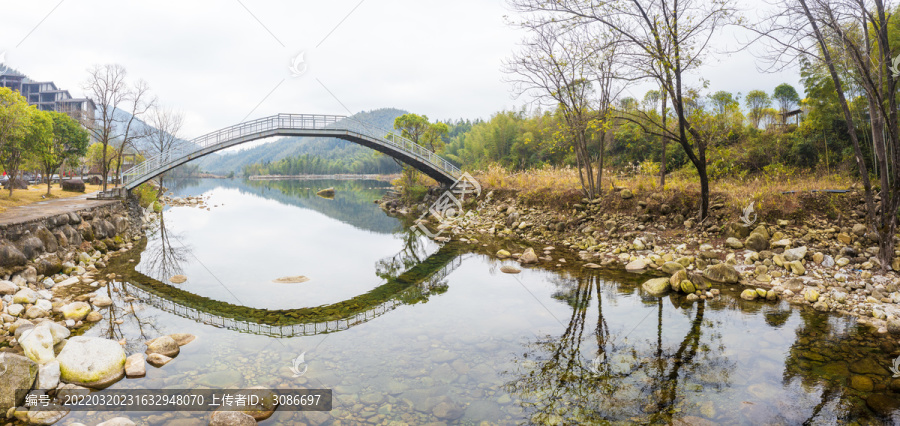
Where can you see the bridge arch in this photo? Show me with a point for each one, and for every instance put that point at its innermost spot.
(405, 288)
(334, 126)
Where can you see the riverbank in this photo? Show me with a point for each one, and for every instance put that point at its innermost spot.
(51, 282)
(814, 250)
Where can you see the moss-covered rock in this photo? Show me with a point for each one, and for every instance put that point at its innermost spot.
(91, 362)
(48, 265)
(656, 286)
(10, 255)
(47, 238)
(100, 246)
(87, 231)
(671, 267)
(756, 242)
(811, 295)
(677, 278)
(749, 294)
(19, 373)
(31, 246)
(76, 310)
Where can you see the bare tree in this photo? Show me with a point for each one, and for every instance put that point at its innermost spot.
(652, 99)
(559, 66)
(663, 40)
(162, 136)
(607, 78)
(107, 88)
(852, 34)
(141, 101)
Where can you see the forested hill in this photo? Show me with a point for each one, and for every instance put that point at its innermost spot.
(348, 156)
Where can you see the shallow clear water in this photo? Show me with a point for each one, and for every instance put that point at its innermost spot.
(408, 331)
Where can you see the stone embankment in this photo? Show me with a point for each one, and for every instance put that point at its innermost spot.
(830, 265)
(42, 261)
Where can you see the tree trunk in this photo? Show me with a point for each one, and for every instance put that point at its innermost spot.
(848, 117)
(662, 168)
(600, 163)
(104, 170)
(704, 193)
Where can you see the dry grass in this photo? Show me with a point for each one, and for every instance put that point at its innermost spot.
(546, 185)
(561, 187)
(33, 194)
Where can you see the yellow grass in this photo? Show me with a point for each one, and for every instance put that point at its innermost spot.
(33, 194)
(562, 184)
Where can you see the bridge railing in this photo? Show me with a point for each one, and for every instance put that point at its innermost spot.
(261, 125)
(294, 122)
(394, 139)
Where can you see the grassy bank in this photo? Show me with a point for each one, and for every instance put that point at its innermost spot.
(37, 193)
(777, 195)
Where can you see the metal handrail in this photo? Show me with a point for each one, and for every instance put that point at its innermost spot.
(290, 122)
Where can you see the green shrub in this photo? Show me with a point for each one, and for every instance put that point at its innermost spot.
(415, 193)
(146, 194)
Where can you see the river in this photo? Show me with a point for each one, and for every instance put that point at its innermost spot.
(407, 331)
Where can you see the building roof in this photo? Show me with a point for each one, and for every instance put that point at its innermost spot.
(12, 73)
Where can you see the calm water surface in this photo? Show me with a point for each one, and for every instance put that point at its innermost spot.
(407, 331)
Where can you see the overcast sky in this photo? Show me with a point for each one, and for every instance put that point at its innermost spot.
(221, 61)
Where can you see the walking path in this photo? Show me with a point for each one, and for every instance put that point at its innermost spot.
(33, 211)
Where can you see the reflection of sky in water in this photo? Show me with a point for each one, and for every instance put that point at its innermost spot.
(248, 241)
(733, 363)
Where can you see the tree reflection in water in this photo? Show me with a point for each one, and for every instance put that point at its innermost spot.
(414, 252)
(126, 313)
(827, 350)
(165, 253)
(164, 256)
(566, 380)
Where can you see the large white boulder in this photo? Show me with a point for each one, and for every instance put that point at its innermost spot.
(91, 362)
(38, 344)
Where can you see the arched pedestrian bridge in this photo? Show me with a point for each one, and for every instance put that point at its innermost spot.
(334, 126)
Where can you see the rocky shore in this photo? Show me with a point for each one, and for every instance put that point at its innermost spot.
(54, 287)
(51, 285)
(827, 263)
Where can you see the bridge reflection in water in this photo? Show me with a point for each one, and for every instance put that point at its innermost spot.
(410, 287)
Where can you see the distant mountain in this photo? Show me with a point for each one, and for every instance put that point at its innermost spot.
(325, 148)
